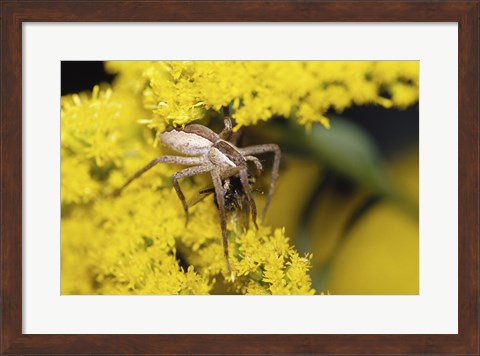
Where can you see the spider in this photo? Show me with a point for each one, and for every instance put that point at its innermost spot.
(206, 151)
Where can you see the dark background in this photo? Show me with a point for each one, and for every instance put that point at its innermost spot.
(78, 76)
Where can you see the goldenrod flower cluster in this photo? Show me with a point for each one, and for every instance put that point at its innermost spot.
(179, 92)
(138, 243)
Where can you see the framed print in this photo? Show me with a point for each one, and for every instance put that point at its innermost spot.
(162, 159)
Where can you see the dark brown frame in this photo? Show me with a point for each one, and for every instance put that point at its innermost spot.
(14, 13)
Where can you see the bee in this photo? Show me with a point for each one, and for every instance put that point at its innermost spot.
(235, 199)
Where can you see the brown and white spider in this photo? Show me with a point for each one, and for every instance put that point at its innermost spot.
(205, 151)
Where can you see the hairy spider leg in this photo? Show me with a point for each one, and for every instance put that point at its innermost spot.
(227, 133)
(258, 165)
(227, 121)
(188, 161)
(248, 191)
(252, 150)
(187, 172)
(220, 195)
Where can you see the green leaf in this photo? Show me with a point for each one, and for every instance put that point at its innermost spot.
(350, 150)
(346, 148)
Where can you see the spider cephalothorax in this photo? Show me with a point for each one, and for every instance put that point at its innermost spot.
(206, 151)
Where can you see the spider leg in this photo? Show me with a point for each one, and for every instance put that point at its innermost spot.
(227, 131)
(187, 172)
(251, 150)
(236, 136)
(248, 191)
(242, 172)
(245, 209)
(162, 159)
(220, 194)
(258, 165)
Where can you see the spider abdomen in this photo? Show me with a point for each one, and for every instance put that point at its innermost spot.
(187, 143)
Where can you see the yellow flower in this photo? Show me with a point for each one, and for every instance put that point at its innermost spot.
(77, 184)
(177, 93)
(137, 243)
(271, 263)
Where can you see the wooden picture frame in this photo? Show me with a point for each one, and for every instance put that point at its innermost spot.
(14, 13)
